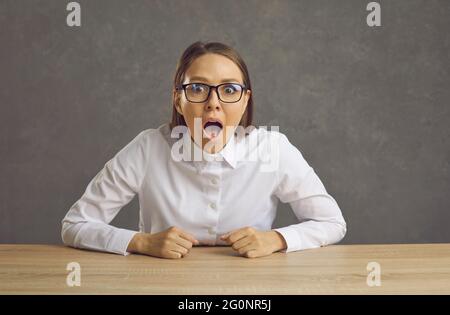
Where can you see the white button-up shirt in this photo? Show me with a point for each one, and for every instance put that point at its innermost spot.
(206, 196)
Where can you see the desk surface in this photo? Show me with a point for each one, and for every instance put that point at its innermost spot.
(338, 269)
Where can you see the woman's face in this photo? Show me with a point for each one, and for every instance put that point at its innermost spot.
(212, 69)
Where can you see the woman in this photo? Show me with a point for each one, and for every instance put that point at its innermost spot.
(204, 179)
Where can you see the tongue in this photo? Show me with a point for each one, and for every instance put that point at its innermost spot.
(212, 131)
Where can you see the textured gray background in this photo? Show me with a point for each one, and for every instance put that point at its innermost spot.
(368, 107)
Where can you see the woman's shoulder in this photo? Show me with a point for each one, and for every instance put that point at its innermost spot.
(142, 142)
(275, 139)
(152, 134)
(262, 139)
(263, 133)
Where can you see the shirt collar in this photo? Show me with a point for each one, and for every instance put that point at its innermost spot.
(228, 152)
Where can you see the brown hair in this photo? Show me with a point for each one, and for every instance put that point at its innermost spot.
(198, 49)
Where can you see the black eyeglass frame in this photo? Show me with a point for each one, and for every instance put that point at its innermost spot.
(183, 87)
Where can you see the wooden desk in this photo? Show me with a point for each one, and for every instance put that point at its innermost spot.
(339, 269)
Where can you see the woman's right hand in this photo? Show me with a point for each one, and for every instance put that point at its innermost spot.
(171, 243)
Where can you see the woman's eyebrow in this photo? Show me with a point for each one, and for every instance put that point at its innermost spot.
(205, 79)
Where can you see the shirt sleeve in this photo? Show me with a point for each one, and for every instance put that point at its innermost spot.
(321, 220)
(86, 225)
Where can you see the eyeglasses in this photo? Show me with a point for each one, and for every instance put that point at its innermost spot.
(199, 92)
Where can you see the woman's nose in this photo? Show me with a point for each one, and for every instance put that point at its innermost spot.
(213, 101)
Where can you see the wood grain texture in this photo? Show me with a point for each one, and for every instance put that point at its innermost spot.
(338, 269)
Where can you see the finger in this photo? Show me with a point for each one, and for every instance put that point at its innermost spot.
(236, 236)
(183, 242)
(252, 254)
(226, 235)
(244, 250)
(179, 249)
(188, 237)
(241, 243)
(172, 255)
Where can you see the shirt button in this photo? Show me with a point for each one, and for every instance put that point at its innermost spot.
(214, 181)
(213, 206)
(211, 231)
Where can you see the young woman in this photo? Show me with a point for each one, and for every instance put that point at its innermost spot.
(201, 180)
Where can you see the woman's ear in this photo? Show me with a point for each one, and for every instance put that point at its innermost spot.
(247, 98)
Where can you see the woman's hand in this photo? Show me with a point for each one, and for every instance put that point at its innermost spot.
(252, 243)
(171, 243)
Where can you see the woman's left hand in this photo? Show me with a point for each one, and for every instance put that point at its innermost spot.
(252, 243)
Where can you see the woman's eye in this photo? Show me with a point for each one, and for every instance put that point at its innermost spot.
(197, 88)
(229, 89)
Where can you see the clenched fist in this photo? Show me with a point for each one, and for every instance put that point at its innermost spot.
(252, 243)
(171, 243)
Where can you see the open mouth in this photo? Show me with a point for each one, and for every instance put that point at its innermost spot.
(212, 128)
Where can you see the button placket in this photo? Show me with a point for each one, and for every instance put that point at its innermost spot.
(213, 173)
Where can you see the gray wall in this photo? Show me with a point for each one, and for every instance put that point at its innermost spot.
(368, 107)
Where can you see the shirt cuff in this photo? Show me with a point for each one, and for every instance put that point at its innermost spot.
(120, 241)
(291, 238)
